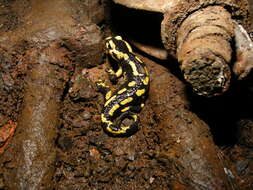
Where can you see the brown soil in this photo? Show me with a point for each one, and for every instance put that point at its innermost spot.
(51, 54)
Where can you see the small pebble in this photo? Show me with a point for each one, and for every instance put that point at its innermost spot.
(86, 115)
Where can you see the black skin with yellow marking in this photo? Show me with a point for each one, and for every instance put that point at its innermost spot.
(129, 98)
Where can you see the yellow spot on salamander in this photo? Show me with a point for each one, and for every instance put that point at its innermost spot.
(145, 81)
(138, 59)
(125, 128)
(146, 71)
(134, 117)
(140, 92)
(111, 99)
(128, 47)
(115, 132)
(134, 68)
(122, 90)
(123, 55)
(113, 109)
(125, 109)
(127, 100)
(113, 46)
(108, 95)
(132, 83)
(104, 120)
(118, 37)
(100, 83)
(111, 71)
(119, 72)
(142, 105)
(119, 55)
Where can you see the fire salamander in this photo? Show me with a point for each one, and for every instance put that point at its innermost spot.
(129, 98)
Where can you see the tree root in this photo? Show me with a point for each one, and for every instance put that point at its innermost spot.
(204, 50)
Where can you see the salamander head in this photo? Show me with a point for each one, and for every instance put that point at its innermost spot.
(118, 48)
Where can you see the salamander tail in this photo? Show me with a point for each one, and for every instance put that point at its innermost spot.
(122, 131)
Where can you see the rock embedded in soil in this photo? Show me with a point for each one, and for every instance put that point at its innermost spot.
(93, 9)
(82, 89)
(41, 23)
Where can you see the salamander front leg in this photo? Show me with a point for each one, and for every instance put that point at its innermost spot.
(104, 89)
(113, 76)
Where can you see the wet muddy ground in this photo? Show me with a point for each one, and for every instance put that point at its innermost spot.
(50, 130)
